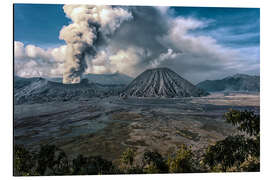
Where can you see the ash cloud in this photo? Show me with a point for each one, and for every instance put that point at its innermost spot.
(88, 23)
(195, 57)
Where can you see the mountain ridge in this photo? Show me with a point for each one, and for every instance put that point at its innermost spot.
(237, 82)
(40, 90)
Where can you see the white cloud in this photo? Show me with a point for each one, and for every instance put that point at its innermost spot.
(34, 52)
(19, 50)
(125, 61)
(59, 53)
(31, 61)
(163, 57)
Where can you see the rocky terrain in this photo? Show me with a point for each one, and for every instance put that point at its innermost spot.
(162, 82)
(40, 90)
(238, 82)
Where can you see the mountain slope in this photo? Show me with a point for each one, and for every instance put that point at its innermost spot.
(238, 82)
(162, 82)
(40, 90)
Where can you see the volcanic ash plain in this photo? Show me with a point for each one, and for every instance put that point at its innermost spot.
(107, 126)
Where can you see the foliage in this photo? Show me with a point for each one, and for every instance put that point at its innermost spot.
(245, 121)
(127, 157)
(23, 161)
(235, 152)
(127, 163)
(182, 161)
(153, 162)
(52, 161)
(91, 165)
(252, 164)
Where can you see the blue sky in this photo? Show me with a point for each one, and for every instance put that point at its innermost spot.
(236, 27)
(39, 24)
(230, 26)
(197, 42)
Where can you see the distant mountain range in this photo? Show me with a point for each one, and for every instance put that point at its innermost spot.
(162, 82)
(40, 90)
(238, 82)
(159, 82)
(105, 79)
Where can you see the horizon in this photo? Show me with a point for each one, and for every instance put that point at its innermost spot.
(83, 77)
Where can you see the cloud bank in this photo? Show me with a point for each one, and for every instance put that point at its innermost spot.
(105, 39)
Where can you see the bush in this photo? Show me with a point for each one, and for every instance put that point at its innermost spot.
(232, 151)
(245, 121)
(91, 165)
(127, 163)
(181, 162)
(153, 162)
(52, 161)
(239, 152)
(23, 161)
(127, 157)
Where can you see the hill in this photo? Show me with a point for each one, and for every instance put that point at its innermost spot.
(40, 90)
(238, 82)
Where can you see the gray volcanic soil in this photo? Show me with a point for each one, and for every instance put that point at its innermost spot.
(107, 126)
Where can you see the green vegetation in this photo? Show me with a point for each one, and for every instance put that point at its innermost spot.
(153, 162)
(181, 162)
(236, 153)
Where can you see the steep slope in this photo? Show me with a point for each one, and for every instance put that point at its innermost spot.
(40, 90)
(20, 82)
(106, 79)
(162, 82)
(238, 82)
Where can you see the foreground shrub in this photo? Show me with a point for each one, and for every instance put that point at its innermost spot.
(23, 161)
(52, 161)
(181, 162)
(239, 152)
(91, 165)
(153, 162)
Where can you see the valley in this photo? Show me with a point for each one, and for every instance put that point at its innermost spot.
(108, 125)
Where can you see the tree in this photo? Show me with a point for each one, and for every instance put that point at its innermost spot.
(245, 121)
(181, 162)
(153, 162)
(227, 153)
(91, 165)
(23, 161)
(238, 152)
(127, 157)
(52, 161)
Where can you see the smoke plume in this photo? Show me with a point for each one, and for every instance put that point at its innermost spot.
(90, 24)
